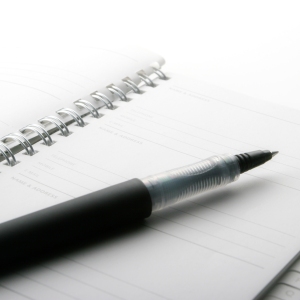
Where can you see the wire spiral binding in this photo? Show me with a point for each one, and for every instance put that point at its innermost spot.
(89, 106)
(160, 74)
(36, 128)
(8, 153)
(115, 90)
(132, 85)
(61, 126)
(146, 79)
(23, 141)
(101, 97)
(71, 112)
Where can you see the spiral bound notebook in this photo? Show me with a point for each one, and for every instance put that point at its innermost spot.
(76, 121)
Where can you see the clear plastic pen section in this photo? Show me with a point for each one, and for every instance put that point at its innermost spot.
(176, 185)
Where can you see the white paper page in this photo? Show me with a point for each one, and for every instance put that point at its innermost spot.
(35, 83)
(225, 244)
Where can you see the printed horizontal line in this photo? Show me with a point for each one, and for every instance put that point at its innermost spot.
(77, 171)
(155, 143)
(238, 106)
(242, 219)
(63, 179)
(50, 187)
(15, 292)
(215, 133)
(214, 236)
(83, 282)
(213, 250)
(193, 155)
(198, 137)
(224, 226)
(115, 278)
(47, 286)
(67, 154)
(169, 137)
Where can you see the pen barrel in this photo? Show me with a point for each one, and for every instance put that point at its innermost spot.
(72, 222)
(170, 187)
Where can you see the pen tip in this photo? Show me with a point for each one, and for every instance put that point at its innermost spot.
(274, 153)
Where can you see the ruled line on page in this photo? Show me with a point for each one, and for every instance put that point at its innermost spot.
(92, 165)
(168, 136)
(133, 124)
(212, 235)
(50, 187)
(204, 129)
(77, 171)
(83, 282)
(196, 156)
(178, 130)
(156, 143)
(115, 278)
(222, 212)
(202, 246)
(15, 292)
(44, 73)
(47, 286)
(30, 87)
(5, 123)
(261, 178)
(35, 79)
(216, 223)
(63, 179)
(238, 106)
(273, 161)
(56, 68)
(207, 140)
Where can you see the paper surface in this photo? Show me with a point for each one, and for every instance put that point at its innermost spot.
(225, 244)
(36, 83)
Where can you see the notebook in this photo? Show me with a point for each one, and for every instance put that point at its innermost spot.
(114, 115)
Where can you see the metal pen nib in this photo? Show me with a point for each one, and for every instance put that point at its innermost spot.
(274, 153)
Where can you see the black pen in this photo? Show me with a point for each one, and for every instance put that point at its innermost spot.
(70, 222)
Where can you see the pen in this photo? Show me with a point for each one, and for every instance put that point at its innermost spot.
(70, 222)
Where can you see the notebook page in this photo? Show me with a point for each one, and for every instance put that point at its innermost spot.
(225, 244)
(35, 83)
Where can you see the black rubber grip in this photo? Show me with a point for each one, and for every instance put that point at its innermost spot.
(72, 221)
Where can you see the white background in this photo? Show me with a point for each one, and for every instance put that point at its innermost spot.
(251, 47)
